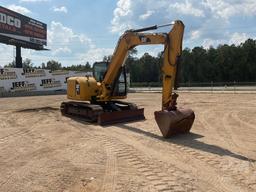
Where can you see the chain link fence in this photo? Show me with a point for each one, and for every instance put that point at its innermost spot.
(206, 86)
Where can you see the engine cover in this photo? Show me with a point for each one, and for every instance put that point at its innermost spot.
(82, 88)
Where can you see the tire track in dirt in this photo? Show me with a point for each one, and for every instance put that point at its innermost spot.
(23, 131)
(29, 159)
(228, 130)
(235, 116)
(235, 126)
(109, 181)
(111, 168)
(165, 178)
(187, 159)
(19, 118)
(251, 175)
(160, 177)
(8, 120)
(219, 130)
(230, 126)
(201, 118)
(224, 167)
(8, 178)
(230, 169)
(22, 118)
(235, 171)
(224, 162)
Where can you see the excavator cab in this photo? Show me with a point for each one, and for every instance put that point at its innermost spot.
(119, 85)
(99, 70)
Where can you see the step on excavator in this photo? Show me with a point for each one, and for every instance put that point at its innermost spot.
(99, 98)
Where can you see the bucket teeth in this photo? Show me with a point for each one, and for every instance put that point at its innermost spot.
(174, 122)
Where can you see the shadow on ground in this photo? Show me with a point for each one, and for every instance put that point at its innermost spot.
(38, 109)
(188, 140)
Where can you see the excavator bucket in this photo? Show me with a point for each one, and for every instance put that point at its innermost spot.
(175, 121)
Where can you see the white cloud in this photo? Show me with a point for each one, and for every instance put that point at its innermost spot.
(6, 54)
(123, 9)
(60, 34)
(62, 9)
(138, 13)
(66, 46)
(208, 22)
(61, 50)
(19, 9)
(208, 43)
(228, 8)
(195, 34)
(238, 38)
(234, 38)
(95, 54)
(146, 15)
(187, 8)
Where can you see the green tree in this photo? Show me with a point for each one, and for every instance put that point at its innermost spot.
(53, 65)
(107, 58)
(27, 64)
(10, 65)
(88, 66)
(43, 66)
(130, 59)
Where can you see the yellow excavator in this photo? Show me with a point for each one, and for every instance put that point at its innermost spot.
(98, 98)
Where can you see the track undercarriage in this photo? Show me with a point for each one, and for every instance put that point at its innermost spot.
(104, 113)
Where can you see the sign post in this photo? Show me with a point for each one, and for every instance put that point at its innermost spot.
(18, 58)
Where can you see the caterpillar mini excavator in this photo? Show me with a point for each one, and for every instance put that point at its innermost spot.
(98, 97)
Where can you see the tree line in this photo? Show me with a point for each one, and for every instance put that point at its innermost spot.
(52, 65)
(225, 63)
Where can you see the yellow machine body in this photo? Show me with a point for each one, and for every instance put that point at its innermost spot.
(82, 88)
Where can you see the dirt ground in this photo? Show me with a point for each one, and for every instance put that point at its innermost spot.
(40, 150)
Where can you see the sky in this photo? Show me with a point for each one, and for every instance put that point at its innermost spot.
(86, 30)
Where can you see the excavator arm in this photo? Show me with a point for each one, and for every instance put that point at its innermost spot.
(172, 42)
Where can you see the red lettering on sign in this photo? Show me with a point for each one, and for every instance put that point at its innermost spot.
(7, 27)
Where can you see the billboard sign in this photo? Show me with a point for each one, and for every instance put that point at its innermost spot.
(17, 29)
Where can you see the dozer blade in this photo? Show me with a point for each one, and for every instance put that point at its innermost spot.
(108, 118)
(174, 122)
